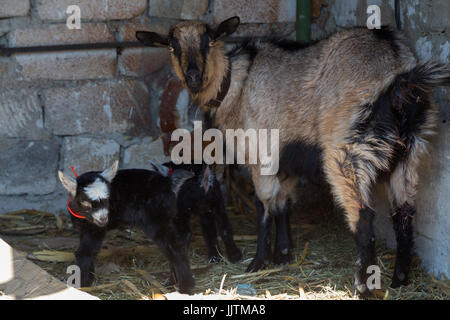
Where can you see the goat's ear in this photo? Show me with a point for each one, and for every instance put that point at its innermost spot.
(110, 173)
(207, 179)
(178, 177)
(70, 184)
(152, 39)
(227, 27)
(162, 169)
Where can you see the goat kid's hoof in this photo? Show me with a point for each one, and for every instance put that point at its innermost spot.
(214, 259)
(87, 282)
(256, 265)
(400, 280)
(234, 255)
(280, 258)
(187, 286)
(188, 291)
(362, 291)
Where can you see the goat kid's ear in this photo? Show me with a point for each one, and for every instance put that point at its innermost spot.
(178, 177)
(111, 172)
(152, 39)
(69, 183)
(227, 27)
(162, 169)
(207, 179)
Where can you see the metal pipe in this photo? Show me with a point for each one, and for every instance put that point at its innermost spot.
(82, 46)
(303, 21)
(397, 15)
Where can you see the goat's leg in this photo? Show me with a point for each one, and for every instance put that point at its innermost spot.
(175, 248)
(179, 266)
(283, 239)
(91, 239)
(365, 248)
(183, 226)
(402, 219)
(351, 176)
(264, 229)
(209, 232)
(272, 194)
(225, 228)
(402, 195)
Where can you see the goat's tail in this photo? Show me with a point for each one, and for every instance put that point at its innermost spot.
(428, 75)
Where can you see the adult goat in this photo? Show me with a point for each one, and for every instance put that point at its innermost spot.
(353, 108)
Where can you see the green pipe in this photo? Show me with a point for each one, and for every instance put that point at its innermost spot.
(303, 21)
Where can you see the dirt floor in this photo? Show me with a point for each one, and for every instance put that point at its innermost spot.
(131, 267)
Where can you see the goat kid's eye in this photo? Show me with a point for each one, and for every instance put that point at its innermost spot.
(86, 204)
(212, 43)
(171, 49)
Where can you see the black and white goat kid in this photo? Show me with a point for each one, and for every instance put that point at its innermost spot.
(139, 198)
(201, 196)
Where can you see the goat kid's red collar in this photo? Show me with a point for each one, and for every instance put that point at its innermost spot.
(73, 212)
(68, 200)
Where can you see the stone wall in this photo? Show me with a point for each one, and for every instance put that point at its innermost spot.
(88, 108)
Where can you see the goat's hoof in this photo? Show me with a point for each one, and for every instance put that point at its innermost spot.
(234, 255)
(362, 291)
(85, 284)
(214, 259)
(397, 282)
(186, 290)
(187, 286)
(256, 265)
(280, 258)
(87, 281)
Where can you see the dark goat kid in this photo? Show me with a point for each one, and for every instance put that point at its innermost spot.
(201, 195)
(139, 198)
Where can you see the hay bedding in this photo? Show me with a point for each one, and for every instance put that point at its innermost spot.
(130, 266)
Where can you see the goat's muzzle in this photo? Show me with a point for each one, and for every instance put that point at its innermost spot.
(194, 80)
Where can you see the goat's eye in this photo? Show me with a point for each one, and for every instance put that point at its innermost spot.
(171, 49)
(212, 43)
(86, 204)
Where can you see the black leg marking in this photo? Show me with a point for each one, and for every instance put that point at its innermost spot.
(263, 248)
(365, 246)
(283, 239)
(209, 232)
(225, 228)
(91, 238)
(402, 219)
(175, 247)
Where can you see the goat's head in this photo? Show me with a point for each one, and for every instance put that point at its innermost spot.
(89, 194)
(198, 55)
